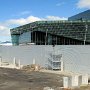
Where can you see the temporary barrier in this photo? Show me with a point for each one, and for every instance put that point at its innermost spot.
(74, 81)
(66, 82)
(83, 79)
(69, 82)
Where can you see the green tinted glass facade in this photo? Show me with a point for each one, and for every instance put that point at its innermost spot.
(55, 32)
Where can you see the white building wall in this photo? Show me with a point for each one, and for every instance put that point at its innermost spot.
(76, 58)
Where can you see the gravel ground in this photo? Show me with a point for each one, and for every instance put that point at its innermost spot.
(12, 79)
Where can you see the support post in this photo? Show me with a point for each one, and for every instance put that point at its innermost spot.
(14, 61)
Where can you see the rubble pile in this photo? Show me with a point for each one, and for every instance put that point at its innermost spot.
(32, 67)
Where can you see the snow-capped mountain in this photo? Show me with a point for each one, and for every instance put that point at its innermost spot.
(6, 43)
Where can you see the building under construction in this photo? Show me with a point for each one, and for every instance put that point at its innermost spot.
(52, 33)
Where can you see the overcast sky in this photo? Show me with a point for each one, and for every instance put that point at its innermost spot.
(18, 12)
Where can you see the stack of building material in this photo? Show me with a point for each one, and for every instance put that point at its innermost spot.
(32, 67)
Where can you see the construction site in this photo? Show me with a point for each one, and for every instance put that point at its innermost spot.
(48, 55)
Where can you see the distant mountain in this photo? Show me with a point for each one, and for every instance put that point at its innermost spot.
(6, 43)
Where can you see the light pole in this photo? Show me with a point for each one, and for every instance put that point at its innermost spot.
(86, 28)
(46, 37)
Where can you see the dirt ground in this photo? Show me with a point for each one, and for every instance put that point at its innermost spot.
(12, 79)
(21, 80)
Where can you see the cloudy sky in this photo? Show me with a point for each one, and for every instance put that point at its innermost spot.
(18, 12)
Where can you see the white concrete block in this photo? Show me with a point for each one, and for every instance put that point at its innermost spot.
(83, 79)
(66, 82)
(69, 82)
(74, 81)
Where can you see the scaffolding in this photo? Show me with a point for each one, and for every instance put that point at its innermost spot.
(55, 61)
